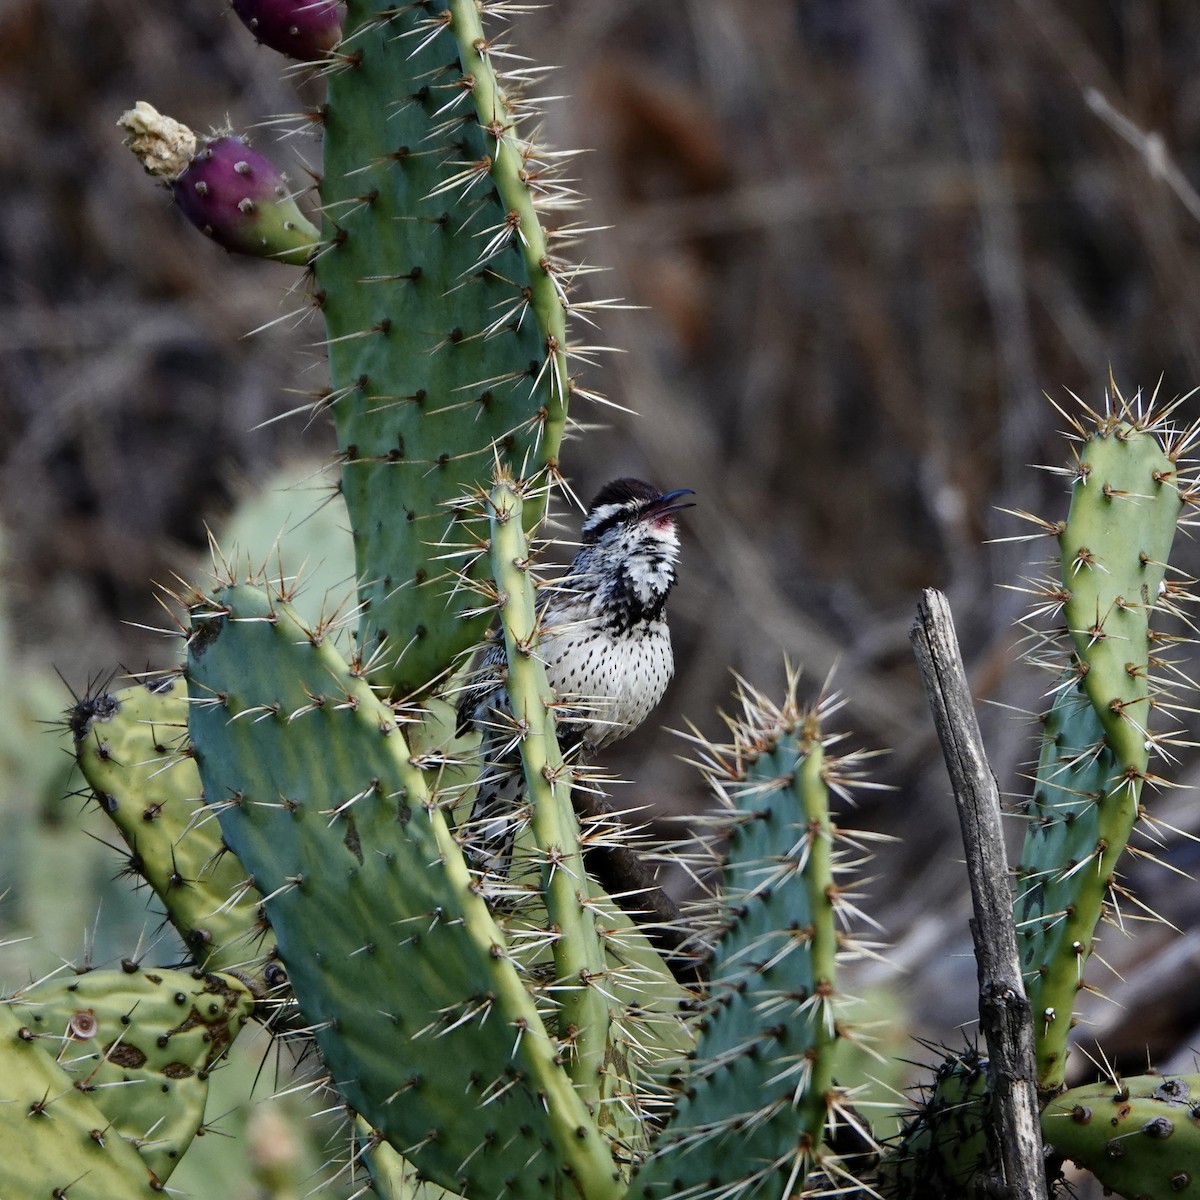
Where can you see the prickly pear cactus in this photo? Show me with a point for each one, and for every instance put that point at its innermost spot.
(518, 1040)
(369, 895)
(133, 749)
(54, 1140)
(142, 1044)
(445, 315)
(1127, 497)
(945, 1151)
(443, 299)
(1140, 1137)
(758, 1100)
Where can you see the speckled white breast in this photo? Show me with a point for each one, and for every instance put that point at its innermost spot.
(615, 679)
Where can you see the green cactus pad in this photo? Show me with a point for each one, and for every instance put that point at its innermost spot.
(1140, 1137)
(578, 955)
(54, 1140)
(445, 340)
(141, 1043)
(752, 1110)
(943, 1151)
(1114, 549)
(1096, 741)
(1079, 808)
(132, 748)
(419, 1012)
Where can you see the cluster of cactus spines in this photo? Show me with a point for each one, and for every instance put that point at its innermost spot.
(54, 1139)
(1128, 493)
(369, 894)
(758, 1101)
(1140, 1136)
(142, 1044)
(230, 191)
(133, 749)
(945, 1149)
(444, 311)
(302, 29)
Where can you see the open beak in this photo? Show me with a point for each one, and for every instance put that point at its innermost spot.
(668, 503)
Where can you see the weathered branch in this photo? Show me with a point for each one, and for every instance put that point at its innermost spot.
(1004, 1013)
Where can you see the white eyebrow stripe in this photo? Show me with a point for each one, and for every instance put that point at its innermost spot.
(602, 514)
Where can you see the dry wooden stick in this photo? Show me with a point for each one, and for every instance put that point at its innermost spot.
(1004, 1013)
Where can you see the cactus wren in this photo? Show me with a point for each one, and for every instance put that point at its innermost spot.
(606, 646)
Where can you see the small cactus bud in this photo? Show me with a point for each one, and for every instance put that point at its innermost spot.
(303, 29)
(235, 195)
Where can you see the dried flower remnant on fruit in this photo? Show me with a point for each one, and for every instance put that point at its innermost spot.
(162, 145)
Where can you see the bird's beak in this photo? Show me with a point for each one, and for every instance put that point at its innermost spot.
(668, 503)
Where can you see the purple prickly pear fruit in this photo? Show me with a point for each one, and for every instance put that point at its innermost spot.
(235, 195)
(225, 188)
(303, 29)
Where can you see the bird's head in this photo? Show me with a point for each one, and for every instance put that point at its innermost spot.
(630, 548)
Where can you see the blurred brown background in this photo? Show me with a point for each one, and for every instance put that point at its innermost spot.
(867, 233)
